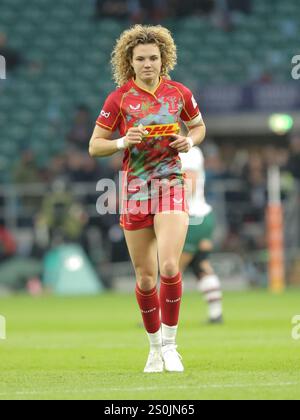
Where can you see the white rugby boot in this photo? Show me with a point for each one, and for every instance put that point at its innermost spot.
(155, 362)
(172, 358)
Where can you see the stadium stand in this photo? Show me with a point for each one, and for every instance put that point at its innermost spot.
(66, 53)
(65, 63)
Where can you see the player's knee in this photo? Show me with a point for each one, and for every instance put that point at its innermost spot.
(169, 268)
(201, 266)
(146, 281)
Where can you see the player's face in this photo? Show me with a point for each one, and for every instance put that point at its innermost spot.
(146, 62)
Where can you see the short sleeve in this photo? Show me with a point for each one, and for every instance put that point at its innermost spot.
(190, 113)
(110, 115)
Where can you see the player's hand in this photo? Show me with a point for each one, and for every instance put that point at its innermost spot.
(180, 143)
(135, 136)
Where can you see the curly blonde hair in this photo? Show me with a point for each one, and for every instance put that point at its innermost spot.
(140, 34)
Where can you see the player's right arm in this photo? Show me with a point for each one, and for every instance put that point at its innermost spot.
(109, 121)
(101, 144)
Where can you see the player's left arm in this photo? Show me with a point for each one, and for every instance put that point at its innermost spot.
(192, 118)
(197, 133)
(195, 136)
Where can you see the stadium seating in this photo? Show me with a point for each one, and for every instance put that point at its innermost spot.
(69, 54)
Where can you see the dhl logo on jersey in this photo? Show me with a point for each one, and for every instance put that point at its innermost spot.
(160, 130)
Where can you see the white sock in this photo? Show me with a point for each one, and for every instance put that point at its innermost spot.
(169, 334)
(155, 340)
(210, 286)
(215, 309)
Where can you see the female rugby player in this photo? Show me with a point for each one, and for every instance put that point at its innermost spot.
(147, 109)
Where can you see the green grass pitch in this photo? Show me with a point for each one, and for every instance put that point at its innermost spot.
(94, 348)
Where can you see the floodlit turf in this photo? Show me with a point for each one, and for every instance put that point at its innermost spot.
(94, 348)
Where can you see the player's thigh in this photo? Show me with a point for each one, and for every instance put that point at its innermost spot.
(170, 230)
(142, 247)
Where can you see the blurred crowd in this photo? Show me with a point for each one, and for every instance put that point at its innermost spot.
(154, 11)
(13, 58)
(241, 170)
(65, 209)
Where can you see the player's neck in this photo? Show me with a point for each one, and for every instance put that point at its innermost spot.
(150, 85)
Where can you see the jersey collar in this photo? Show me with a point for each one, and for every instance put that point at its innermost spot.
(148, 91)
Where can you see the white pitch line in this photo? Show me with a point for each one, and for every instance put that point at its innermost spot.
(153, 388)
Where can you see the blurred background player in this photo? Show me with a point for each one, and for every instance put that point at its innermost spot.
(199, 241)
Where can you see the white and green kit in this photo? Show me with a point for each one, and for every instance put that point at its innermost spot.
(202, 221)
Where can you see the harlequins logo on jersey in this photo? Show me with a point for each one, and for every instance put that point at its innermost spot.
(160, 130)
